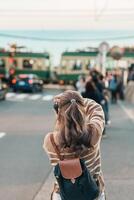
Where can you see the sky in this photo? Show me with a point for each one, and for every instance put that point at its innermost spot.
(42, 18)
(56, 48)
(66, 14)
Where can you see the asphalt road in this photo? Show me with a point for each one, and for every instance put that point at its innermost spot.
(117, 156)
(24, 166)
(118, 153)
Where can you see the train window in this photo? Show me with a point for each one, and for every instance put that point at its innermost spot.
(47, 62)
(77, 65)
(63, 64)
(12, 62)
(88, 64)
(28, 64)
(71, 64)
(2, 63)
(15, 63)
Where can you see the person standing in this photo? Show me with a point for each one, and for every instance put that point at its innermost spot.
(78, 131)
(113, 88)
(80, 85)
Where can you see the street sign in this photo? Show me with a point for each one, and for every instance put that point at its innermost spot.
(104, 47)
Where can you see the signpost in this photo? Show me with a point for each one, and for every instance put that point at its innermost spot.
(103, 49)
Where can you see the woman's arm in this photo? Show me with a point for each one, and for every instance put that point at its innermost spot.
(48, 147)
(95, 120)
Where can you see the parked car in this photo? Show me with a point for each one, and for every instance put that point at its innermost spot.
(3, 90)
(27, 83)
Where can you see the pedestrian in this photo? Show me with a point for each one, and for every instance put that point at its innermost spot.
(78, 131)
(113, 88)
(92, 92)
(106, 109)
(80, 84)
(120, 88)
(98, 81)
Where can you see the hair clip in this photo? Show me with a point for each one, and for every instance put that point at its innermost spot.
(73, 101)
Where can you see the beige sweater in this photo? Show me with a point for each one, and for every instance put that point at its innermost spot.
(95, 119)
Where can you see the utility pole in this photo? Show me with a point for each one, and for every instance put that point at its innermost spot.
(103, 50)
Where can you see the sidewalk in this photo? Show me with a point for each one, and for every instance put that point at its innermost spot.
(117, 156)
(57, 86)
(128, 109)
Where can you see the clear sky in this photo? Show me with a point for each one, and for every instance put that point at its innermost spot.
(40, 16)
(55, 48)
(66, 14)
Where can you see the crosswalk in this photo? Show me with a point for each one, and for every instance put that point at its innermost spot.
(11, 96)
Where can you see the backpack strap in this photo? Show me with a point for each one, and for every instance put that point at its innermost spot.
(55, 147)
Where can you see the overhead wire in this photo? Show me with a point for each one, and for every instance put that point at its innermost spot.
(48, 39)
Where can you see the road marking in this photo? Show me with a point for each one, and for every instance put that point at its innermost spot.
(21, 96)
(47, 97)
(14, 99)
(129, 113)
(35, 97)
(10, 94)
(2, 134)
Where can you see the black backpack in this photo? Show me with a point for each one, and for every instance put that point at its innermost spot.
(74, 179)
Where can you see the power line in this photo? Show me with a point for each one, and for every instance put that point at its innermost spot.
(65, 10)
(101, 11)
(65, 39)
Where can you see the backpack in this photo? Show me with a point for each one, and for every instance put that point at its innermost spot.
(74, 179)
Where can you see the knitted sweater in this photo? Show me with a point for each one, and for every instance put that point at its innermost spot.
(92, 157)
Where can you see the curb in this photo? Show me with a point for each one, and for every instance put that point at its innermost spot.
(45, 191)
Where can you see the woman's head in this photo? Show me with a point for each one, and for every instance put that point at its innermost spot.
(71, 119)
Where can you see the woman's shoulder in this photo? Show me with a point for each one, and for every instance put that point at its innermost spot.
(90, 103)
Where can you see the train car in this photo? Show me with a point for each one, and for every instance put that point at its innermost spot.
(25, 63)
(74, 64)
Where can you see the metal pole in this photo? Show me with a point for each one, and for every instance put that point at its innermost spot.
(104, 62)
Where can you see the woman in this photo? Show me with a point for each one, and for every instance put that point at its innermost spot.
(92, 92)
(113, 88)
(80, 85)
(78, 130)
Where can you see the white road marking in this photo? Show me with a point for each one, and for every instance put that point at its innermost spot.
(10, 94)
(35, 97)
(21, 96)
(15, 100)
(129, 113)
(2, 134)
(47, 97)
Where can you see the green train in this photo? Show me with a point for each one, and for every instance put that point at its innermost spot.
(72, 64)
(25, 63)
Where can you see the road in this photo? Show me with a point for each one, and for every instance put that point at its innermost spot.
(23, 124)
(118, 153)
(117, 156)
(24, 167)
